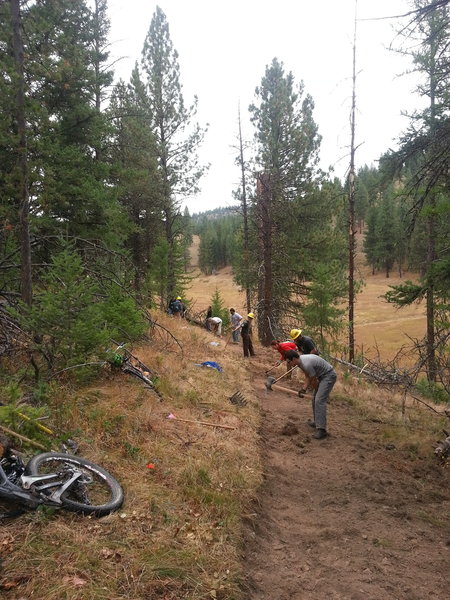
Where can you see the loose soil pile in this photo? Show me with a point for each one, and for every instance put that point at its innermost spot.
(349, 517)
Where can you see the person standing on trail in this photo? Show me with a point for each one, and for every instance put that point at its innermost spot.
(282, 348)
(215, 325)
(321, 377)
(247, 333)
(305, 344)
(235, 325)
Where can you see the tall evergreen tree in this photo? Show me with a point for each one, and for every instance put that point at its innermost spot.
(176, 148)
(294, 227)
(426, 144)
(135, 173)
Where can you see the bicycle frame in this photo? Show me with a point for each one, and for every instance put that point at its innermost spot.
(35, 497)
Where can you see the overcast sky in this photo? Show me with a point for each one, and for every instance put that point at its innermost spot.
(224, 48)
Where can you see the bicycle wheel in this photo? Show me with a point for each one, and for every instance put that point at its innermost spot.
(96, 492)
(131, 370)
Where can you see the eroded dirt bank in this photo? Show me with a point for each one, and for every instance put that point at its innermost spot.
(350, 517)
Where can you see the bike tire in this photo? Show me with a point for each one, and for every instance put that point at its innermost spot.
(131, 370)
(107, 494)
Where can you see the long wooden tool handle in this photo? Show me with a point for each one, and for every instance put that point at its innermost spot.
(283, 389)
(204, 423)
(295, 392)
(23, 438)
(287, 373)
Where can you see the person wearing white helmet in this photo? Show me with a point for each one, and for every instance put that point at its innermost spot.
(246, 333)
(304, 343)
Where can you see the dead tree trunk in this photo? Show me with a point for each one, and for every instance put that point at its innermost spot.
(22, 163)
(246, 248)
(351, 217)
(265, 235)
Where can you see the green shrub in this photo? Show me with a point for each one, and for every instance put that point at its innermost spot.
(219, 310)
(74, 316)
(432, 390)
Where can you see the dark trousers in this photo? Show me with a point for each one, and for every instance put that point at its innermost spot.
(247, 345)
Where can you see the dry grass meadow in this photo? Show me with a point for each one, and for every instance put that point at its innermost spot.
(379, 325)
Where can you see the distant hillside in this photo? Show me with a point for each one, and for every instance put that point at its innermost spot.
(215, 213)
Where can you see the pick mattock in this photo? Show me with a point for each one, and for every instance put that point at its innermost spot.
(272, 368)
(271, 380)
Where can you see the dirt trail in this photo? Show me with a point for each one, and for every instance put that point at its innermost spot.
(344, 518)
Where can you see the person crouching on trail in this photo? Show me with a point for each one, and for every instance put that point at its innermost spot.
(215, 325)
(247, 333)
(305, 344)
(282, 348)
(321, 377)
(177, 308)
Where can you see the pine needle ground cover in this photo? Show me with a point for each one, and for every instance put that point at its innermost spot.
(187, 486)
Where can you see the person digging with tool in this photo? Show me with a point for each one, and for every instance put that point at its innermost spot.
(321, 377)
(177, 307)
(235, 325)
(246, 333)
(305, 344)
(215, 325)
(282, 348)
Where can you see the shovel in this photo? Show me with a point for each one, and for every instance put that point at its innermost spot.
(271, 380)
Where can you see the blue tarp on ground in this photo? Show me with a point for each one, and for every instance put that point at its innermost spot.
(211, 364)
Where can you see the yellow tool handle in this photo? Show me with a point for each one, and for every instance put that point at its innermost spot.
(46, 429)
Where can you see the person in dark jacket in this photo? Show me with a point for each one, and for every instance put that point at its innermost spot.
(304, 343)
(246, 333)
(177, 308)
(208, 316)
(320, 377)
(170, 306)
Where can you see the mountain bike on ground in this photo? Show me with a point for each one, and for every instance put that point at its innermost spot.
(122, 359)
(56, 480)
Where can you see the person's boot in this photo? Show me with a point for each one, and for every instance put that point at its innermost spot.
(320, 434)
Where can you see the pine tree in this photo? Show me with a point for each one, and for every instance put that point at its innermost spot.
(385, 234)
(135, 173)
(176, 150)
(219, 310)
(287, 143)
(322, 314)
(370, 240)
(426, 145)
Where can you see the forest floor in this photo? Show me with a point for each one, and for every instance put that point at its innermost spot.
(360, 515)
